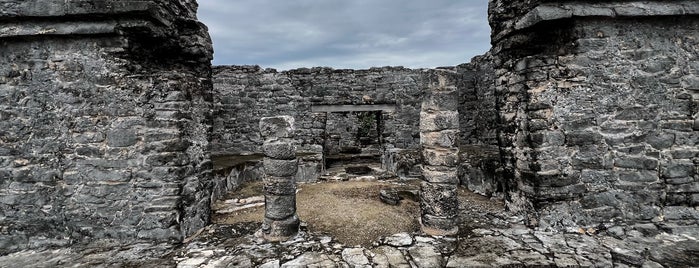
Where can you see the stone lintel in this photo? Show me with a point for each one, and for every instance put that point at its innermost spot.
(566, 10)
(556, 11)
(62, 8)
(353, 108)
(74, 17)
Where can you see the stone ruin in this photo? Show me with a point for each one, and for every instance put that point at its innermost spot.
(439, 128)
(280, 166)
(582, 114)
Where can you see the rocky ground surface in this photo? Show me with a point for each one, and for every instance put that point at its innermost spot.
(489, 237)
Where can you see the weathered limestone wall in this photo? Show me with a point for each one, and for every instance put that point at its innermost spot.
(599, 106)
(244, 94)
(480, 168)
(104, 122)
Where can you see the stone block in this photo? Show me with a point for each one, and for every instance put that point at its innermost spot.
(680, 213)
(547, 138)
(444, 138)
(279, 185)
(280, 167)
(434, 225)
(550, 178)
(678, 170)
(167, 159)
(279, 230)
(447, 100)
(277, 127)
(685, 153)
(441, 157)
(89, 151)
(583, 137)
(676, 199)
(440, 174)
(660, 140)
(121, 137)
(436, 121)
(585, 160)
(597, 176)
(636, 162)
(279, 207)
(680, 180)
(439, 199)
(684, 188)
(280, 149)
(640, 176)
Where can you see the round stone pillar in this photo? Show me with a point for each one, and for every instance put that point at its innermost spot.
(280, 166)
(439, 129)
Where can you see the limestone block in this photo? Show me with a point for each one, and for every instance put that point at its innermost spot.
(441, 157)
(636, 162)
(279, 185)
(436, 174)
(278, 230)
(434, 225)
(436, 121)
(444, 138)
(277, 127)
(441, 101)
(280, 149)
(121, 137)
(438, 199)
(280, 167)
(678, 169)
(279, 207)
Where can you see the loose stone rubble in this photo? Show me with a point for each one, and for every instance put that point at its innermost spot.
(487, 238)
(280, 165)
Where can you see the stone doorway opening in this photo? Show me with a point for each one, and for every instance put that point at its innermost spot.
(352, 139)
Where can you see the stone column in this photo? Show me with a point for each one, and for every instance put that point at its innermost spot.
(280, 165)
(439, 128)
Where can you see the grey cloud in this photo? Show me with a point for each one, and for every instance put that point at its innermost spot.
(346, 34)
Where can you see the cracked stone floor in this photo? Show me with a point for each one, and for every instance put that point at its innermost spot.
(489, 237)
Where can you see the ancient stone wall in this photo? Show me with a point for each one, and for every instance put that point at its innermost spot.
(105, 117)
(599, 105)
(244, 94)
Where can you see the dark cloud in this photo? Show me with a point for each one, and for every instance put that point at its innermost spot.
(346, 33)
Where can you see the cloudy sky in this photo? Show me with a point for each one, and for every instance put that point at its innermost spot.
(358, 34)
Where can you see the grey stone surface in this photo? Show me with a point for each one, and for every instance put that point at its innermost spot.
(426, 255)
(279, 207)
(570, 133)
(277, 127)
(583, 114)
(281, 221)
(439, 174)
(438, 200)
(103, 137)
(399, 240)
(247, 93)
(355, 257)
(280, 167)
(502, 240)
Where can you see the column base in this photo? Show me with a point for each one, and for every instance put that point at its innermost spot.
(438, 232)
(280, 230)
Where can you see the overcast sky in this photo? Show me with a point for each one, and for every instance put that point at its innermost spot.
(357, 34)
